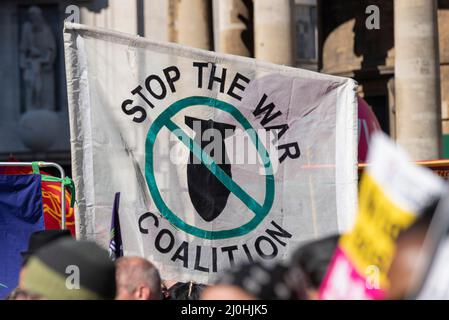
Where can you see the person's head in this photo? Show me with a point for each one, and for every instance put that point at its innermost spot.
(166, 284)
(69, 269)
(226, 292)
(408, 260)
(137, 279)
(35, 15)
(38, 240)
(258, 281)
(185, 291)
(20, 294)
(313, 259)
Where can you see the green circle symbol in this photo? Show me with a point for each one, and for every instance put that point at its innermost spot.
(164, 120)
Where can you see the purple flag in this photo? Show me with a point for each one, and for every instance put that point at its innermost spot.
(115, 243)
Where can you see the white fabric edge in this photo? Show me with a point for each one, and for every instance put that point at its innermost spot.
(346, 149)
(75, 66)
(167, 47)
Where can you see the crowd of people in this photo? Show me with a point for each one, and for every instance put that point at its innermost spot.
(56, 266)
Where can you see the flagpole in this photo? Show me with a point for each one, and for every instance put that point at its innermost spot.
(61, 171)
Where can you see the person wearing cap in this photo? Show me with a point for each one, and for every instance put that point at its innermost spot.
(70, 270)
(38, 240)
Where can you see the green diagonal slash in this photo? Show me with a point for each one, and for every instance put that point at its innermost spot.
(2, 285)
(214, 168)
(164, 120)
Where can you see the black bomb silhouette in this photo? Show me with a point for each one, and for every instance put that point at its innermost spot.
(209, 196)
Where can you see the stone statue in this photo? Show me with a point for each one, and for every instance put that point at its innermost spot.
(37, 57)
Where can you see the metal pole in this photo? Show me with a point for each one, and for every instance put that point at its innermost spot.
(42, 164)
(61, 171)
(417, 78)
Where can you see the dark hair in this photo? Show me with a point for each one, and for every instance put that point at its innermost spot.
(267, 281)
(313, 259)
(186, 291)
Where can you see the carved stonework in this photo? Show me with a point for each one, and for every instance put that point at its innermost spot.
(37, 58)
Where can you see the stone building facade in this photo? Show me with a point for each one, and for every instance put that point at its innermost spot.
(328, 36)
(349, 49)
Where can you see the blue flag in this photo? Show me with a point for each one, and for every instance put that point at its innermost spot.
(115, 243)
(21, 214)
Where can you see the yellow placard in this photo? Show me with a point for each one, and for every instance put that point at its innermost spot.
(372, 241)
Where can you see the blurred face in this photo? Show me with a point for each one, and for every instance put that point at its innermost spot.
(312, 294)
(21, 276)
(225, 292)
(404, 267)
(123, 294)
(20, 294)
(140, 293)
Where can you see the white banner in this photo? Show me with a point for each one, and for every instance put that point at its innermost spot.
(218, 158)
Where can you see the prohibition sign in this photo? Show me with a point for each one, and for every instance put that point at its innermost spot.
(164, 120)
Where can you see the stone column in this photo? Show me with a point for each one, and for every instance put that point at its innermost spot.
(117, 15)
(156, 19)
(391, 108)
(234, 27)
(273, 31)
(417, 78)
(190, 23)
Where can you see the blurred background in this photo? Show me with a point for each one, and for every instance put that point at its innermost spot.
(398, 53)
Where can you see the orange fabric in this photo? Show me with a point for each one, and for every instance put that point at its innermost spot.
(51, 195)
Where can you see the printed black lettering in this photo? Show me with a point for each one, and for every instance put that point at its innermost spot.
(172, 79)
(182, 253)
(235, 84)
(260, 251)
(294, 154)
(200, 66)
(198, 259)
(143, 217)
(133, 110)
(150, 79)
(157, 242)
(221, 80)
(280, 233)
(230, 250)
(266, 110)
